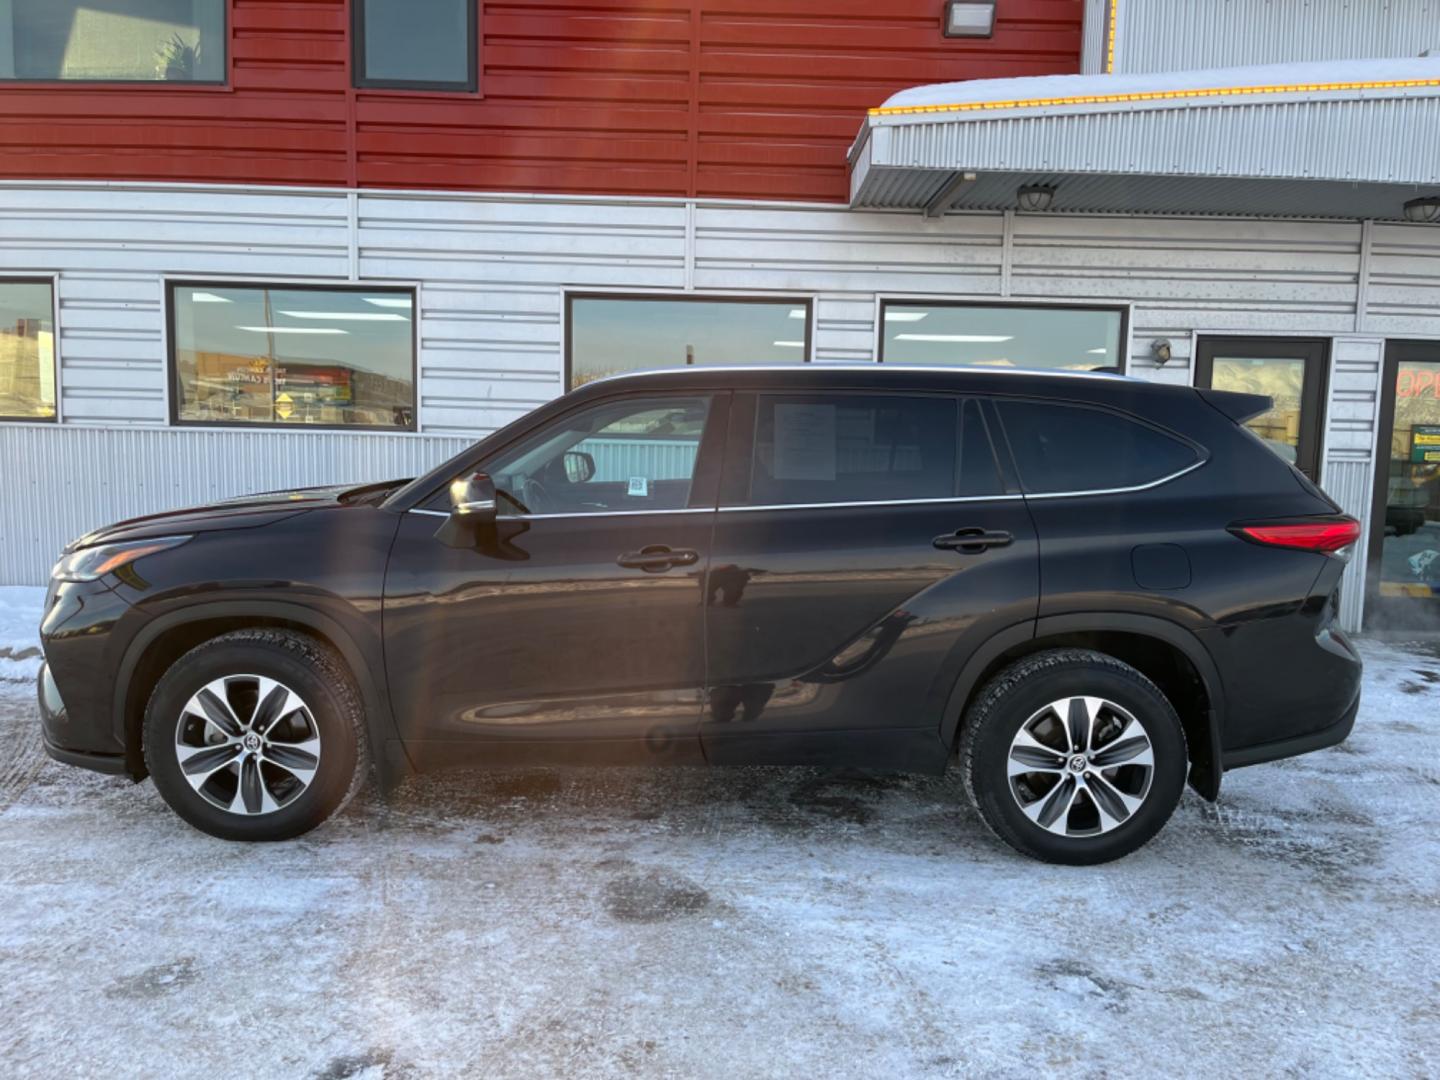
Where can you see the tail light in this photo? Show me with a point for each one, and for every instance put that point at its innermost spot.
(1326, 535)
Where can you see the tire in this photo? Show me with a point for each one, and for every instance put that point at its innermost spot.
(287, 788)
(1110, 773)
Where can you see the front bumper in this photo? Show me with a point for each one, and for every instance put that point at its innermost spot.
(55, 730)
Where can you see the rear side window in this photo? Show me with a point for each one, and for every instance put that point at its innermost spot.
(832, 448)
(1064, 448)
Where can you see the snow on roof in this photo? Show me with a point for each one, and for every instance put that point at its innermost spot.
(1316, 75)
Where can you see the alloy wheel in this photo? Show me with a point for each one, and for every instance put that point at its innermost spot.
(1081, 766)
(247, 744)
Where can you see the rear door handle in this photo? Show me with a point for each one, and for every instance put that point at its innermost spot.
(972, 541)
(657, 558)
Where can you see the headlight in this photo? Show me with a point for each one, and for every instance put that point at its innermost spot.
(87, 564)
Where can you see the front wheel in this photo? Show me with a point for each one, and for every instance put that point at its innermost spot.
(1071, 756)
(256, 735)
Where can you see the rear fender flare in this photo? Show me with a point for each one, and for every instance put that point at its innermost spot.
(1079, 622)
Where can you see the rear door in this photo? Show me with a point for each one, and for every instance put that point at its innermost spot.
(865, 545)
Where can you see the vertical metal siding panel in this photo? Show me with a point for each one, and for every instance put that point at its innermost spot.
(1096, 39)
(1348, 471)
(1162, 35)
(75, 479)
(617, 460)
(1348, 483)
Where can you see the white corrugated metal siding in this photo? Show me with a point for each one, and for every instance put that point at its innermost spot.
(1163, 35)
(63, 481)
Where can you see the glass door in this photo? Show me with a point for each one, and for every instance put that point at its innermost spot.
(1404, 573)
(1289, 370)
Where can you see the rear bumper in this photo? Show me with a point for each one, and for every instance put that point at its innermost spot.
(1332, 735)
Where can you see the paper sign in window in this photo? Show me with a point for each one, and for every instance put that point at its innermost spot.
(804, 442)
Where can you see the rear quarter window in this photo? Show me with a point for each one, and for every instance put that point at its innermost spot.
(1074, 448)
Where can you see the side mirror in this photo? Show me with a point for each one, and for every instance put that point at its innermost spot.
(579, 466)
(472, 499)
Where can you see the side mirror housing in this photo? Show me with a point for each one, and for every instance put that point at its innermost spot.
(472, 499)
(579, 466)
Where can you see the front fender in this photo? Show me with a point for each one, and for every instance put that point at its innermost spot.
(357, 643)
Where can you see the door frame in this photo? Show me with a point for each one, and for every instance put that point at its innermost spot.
(1396, 350)
(1313, 388)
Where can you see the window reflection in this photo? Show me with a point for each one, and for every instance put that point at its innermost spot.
(287, 355)
(27, 351)
(610, 335)
(1281, 378)
(113, 40)
(1000, 335)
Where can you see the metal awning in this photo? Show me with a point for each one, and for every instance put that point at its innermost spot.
(1348, 139)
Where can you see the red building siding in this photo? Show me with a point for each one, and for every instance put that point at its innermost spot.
(742, 98)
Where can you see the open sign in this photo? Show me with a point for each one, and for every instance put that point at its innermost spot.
(1417, 382)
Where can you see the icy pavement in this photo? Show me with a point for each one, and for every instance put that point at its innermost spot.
(755, 922)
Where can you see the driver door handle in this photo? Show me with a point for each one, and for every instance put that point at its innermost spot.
(657, 558)
(972, 541)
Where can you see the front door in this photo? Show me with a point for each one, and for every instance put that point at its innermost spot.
(1290, 370)
(577, 616)
(1403, 577)
(866, 544)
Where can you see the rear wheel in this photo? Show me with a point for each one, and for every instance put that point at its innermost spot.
(256, 735)
(1072, 756)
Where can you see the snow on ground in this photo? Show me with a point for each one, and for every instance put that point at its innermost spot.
(19, 623)
(750, 922)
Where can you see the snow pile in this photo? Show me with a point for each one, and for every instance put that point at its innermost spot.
(20, 632)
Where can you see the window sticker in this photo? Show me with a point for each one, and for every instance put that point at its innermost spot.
(805, 442)
(639, 488)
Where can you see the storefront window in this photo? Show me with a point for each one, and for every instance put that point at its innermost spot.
(1003, 335)
(1408, 568)
(27, 350)
(113, 40)
(609, 335)
(292, 355)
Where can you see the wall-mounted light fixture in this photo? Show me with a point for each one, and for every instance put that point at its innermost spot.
(969, 18)
(1160, 350)
(1425, 210)
(1035, 197)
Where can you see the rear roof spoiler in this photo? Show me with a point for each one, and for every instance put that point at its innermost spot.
(1238, 407)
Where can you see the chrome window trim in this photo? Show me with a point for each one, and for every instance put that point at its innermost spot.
(874, 502)
(577, 513)
(1121, 490)
(833, 505)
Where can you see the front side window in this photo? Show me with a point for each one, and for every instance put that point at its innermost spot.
(113, 40)
(1071, 448)
(27, 350)
(282, 354)
(1003, 335)
(842, 448)
(415, 44)
(630, 455)
(610, 335)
